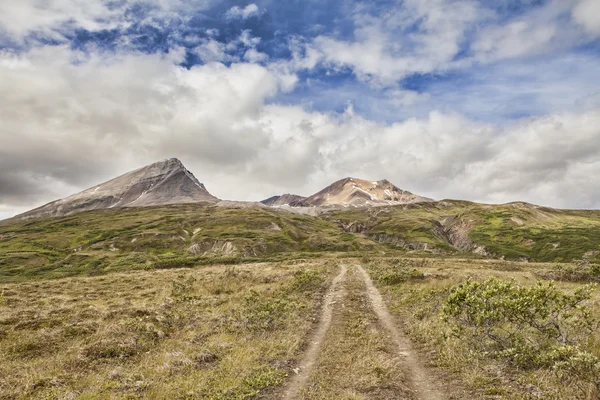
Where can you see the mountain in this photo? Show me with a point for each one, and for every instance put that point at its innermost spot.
(353, 192)
(283, 200)
(164, 182)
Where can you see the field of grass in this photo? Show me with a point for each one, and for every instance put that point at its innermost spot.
(501, 329)
(212, 332)
(484, 329)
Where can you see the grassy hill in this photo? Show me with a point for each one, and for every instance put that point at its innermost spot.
(97, 242)
(513, 231)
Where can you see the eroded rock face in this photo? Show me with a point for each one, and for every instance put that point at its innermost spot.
(213, 247)
(455, 232)
(164, 182)
(356, 227)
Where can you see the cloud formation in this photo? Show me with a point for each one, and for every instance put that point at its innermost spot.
(236, 12)
(446, 98)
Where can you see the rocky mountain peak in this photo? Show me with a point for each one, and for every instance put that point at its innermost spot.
(160, 183)
(356, 192)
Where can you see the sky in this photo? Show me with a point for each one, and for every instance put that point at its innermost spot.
(489, 101)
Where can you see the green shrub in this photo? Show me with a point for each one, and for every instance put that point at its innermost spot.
(522, 324)
(580, 271)
(396, 271)
(306, 281)
(571, 364)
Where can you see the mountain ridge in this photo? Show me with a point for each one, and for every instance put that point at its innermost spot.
(287, 199)
(160, 183)
(169, 182)
(355, 192)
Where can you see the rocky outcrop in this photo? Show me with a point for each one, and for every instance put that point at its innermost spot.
(356, 227)
(401, 242)
(455, 231)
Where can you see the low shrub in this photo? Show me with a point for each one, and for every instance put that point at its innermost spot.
(306, 281)
(580, 271)
(527, 326)
(396, 271)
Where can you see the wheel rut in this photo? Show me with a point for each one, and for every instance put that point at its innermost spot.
(307, 362)
(423, 385)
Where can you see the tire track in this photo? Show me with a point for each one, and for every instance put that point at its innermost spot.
(299, 380)
(422, 383)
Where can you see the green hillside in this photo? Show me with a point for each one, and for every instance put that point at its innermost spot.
(513, 231)
(97, 242)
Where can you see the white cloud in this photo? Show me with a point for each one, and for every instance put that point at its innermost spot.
(515, 39)
(388, 47)
(540, 30)
(19, 18)
(435, 36)
(587, 13)
(247, 39)
(55, 18)
(210, 50)
(254, 56)
(236, 12)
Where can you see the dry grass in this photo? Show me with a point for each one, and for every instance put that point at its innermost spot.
(419, 302)
(212, 333)
(357, 360)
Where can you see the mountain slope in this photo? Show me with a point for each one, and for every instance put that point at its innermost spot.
(121, 239)
(514, 231)
(164, 182)
(283, 200)
(353, 192)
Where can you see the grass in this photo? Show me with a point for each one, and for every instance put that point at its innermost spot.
(212, 332)
(419, 298)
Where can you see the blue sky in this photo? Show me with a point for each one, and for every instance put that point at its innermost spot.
(307, 84)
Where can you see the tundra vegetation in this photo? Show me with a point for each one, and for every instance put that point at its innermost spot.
(504, 329)
(210, 302)
(212, 332)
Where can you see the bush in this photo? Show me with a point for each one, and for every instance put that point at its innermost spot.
(306, 281)
(396, 272)
(580, 271)
(525, 325)
(572, 364)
